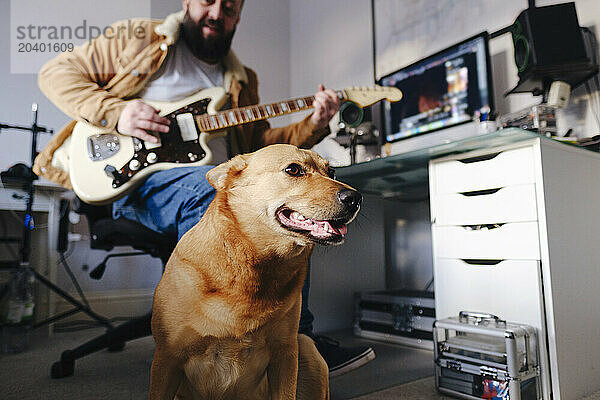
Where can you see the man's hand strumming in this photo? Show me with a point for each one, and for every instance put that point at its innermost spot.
(140, 119)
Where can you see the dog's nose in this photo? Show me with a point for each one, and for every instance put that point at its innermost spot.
(350, 198)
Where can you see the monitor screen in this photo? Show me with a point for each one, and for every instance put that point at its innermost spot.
(448, 88)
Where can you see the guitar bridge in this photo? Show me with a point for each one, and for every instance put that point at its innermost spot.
(103, 146)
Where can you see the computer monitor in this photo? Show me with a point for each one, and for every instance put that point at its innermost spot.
(448, 88)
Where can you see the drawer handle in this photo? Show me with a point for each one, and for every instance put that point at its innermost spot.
(481, 192)
(485, 157)
(481, 227)
(483, 262)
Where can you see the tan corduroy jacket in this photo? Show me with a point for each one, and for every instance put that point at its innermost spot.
(94, 81)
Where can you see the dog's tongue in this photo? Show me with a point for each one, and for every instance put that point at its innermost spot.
(327, 227)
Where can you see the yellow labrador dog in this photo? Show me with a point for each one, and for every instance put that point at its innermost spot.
(226, 311)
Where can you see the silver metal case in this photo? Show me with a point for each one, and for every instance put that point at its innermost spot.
(397, 316)
(479, 355)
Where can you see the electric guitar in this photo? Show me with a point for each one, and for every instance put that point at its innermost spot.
(104, 165)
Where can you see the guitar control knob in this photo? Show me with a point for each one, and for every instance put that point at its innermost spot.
(134, 165)
(151, 158)
(111, 171)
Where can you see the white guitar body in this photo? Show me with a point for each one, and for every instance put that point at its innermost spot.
(90, 181)
(105, 165)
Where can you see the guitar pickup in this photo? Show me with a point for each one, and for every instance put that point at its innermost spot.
(187, 127)
(150, 145)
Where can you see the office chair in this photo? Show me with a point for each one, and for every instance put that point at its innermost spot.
(107, 233)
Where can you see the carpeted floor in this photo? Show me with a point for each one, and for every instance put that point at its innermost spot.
(422, 389)
(125, 375)
(104, 375)
(397, 373)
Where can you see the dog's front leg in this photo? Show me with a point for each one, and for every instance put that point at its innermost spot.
(165, 377)
(282, 372)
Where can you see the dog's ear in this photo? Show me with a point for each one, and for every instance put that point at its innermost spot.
(217, 176)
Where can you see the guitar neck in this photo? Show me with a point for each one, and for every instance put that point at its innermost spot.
(243, 115)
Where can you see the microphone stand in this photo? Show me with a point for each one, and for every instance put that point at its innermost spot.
(28, 226)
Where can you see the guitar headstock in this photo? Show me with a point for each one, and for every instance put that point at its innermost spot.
(367, 95)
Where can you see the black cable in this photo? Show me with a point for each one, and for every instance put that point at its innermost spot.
(4, 290)
(83, 324)
(63, 260)
(429, 284)
(500, 32)
(593, 104)
(75, 326)
(73, 279)
(69, 252)
(593, 88)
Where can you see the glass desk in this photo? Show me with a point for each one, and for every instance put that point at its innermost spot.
(406, 175)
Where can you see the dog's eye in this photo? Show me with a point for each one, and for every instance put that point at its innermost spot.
(331, 173)
(294, 170)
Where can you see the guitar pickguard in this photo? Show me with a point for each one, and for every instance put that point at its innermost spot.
(179, 145)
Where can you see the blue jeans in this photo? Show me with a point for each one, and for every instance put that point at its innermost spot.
(173, 201)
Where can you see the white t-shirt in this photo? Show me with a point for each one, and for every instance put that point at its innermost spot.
(181, 75)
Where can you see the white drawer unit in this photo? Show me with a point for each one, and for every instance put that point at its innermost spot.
(499, 287)
(518, 240)
(515, 232)
(487, 171)
(515, 203)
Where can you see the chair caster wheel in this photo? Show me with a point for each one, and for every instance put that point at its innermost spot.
(62, 369)
(116, 346)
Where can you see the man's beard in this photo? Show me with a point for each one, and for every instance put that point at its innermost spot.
(212, 48)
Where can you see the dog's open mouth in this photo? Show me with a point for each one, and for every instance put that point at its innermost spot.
(327, 231)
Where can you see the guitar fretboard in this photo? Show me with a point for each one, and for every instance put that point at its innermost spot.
(238, 116)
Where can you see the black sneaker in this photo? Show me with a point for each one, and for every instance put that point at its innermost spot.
(339, 359)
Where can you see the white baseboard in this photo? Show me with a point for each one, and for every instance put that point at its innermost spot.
(109, 304)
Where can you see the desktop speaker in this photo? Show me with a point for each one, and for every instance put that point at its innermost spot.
(549, 46)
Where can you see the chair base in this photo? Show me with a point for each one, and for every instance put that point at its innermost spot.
(113, 340)
(62, 369)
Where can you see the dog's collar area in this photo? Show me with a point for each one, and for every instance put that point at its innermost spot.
(326, 231)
